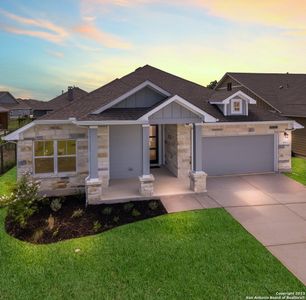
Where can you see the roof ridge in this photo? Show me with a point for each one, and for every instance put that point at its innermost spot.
(266, 73)
(172, 75)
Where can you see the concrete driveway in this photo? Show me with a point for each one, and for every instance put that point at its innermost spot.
(272, 207)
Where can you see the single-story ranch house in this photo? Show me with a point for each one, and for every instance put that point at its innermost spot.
(151, 132)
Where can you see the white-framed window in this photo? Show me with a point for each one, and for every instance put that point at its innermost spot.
(54, 157)
(236, 107)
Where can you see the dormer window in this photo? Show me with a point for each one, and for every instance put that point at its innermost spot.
(229, 86)
(236, 107)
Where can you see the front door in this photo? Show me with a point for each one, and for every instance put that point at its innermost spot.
(154, 144)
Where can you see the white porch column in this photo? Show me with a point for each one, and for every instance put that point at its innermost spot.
(197, 176)
(93, 184)
(147, 179)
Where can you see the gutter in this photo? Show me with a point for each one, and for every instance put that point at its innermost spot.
(295, 124)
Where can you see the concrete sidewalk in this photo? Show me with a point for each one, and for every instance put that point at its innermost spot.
(271, 207)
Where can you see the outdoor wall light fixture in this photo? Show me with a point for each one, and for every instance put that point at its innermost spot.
(286, 135)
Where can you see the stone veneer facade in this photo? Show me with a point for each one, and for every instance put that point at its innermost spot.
(178, 149)
(283, 146)
(64, 184)
(177, 152)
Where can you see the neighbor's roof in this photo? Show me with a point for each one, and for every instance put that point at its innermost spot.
(284, 91)
(198, 95)
(62, 100)
(30, 104)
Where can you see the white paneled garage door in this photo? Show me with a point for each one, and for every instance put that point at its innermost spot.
(238, 154)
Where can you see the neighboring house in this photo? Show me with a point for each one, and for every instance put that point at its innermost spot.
(7, 100)
(3, 118)
(36, 108)
(20, 110)
(283, 93)
(72, 94)
(150, 118)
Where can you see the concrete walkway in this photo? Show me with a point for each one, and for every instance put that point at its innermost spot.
(271, 207)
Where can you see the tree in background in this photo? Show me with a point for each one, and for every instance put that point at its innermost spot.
(212, 84)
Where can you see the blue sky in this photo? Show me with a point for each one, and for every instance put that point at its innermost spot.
(48, 45)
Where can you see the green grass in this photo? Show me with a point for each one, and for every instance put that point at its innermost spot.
(193, 255)
(298, 170)
(14, 124)
(7, 180)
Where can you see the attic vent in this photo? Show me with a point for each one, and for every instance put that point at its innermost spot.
(229, 86)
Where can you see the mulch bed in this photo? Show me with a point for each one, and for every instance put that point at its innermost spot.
(73, 220)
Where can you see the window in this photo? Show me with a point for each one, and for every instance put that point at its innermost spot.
(52, 157)
(66, 156)
(229, 86)
(236, 106)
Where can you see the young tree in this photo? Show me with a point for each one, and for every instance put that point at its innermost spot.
(212, 84)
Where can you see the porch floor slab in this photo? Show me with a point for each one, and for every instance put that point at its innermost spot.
(165, 184)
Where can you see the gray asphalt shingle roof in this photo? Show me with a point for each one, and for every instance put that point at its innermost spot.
(284, 91)
(196, 94)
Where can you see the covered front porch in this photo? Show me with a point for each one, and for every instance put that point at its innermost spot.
(159, 154)
(162, 160)
(165, 184)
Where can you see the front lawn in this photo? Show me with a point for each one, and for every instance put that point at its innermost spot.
(193, 255)
(7, 180)
(202, 254)
(298, 170)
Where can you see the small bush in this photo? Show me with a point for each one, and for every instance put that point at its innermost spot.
(135, 213)
(116, 219)
(128, 206)
(24, 200)
(55, 232)
(96, 226)
(50, 222)
(56, 204)
(38, 234)
(107, 210)
(153, 205)
(77, 213)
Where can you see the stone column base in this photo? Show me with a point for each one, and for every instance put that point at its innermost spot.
(93, 189)
(198, 182)
(146, 185)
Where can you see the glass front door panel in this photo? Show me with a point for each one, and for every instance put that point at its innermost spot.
(153, 144)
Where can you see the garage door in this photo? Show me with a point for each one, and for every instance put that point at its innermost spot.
(238, 155)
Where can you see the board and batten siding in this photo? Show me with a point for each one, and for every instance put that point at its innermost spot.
(243, 103)
(174, 113)
(146, 97)
(299, 138)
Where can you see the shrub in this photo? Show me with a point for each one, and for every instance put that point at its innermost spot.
(77, 213)
(107, 210)
(153, 205)
(128, 206)
(24, 200)
(56, 204)
(37, 235)
(135, 213)
(116, 219)
(96, 226)
(50, 222)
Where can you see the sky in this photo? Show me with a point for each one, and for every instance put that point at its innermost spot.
(48, 45)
